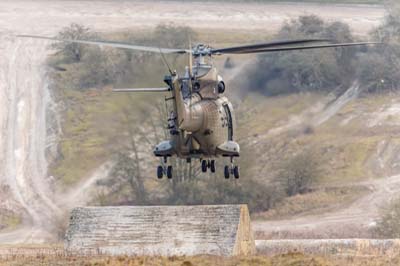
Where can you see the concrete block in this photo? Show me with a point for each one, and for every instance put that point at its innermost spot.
(161, 230)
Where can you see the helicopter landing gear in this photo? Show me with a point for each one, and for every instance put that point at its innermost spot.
(231, 170)
(164, 170)
(160, 172)
(204, 166)
(208, 164)
(169, 171)
(212, 166)
(226, 172)
(236, 172)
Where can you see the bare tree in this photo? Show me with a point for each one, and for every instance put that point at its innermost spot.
(74, 31)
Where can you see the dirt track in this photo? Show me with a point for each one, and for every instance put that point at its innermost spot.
(23, 90)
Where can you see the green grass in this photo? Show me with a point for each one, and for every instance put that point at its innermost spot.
(92, 131)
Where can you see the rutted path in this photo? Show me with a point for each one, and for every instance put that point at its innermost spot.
(24, 130)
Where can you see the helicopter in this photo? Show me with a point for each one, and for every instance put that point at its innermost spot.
(202, 121)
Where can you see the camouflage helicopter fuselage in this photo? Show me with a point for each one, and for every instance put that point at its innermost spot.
(203, 122)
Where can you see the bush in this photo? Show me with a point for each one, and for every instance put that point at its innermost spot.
(299, 173)
(389, 224)
(380, 68)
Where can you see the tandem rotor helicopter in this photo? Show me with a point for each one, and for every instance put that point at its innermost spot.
(202, 123)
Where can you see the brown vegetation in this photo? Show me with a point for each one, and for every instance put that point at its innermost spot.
(299, 173)
(389, 224)
(291, 259)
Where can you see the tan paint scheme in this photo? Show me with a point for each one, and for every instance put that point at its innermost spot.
(201, 119)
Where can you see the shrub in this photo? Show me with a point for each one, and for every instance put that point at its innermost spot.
(380, 68)
(389, 224)
(299, 173)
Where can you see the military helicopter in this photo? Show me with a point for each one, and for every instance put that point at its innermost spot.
(202, 121)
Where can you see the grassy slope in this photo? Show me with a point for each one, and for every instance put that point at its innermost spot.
(345, 151)
(8, 220)
(343, 148)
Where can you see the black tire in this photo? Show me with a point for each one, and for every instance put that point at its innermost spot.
(169, 172)
(160, 172)
(236, 172)
(226, 172)
(204, 166)
(212, 166)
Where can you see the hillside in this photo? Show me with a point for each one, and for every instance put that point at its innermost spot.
(352, 134)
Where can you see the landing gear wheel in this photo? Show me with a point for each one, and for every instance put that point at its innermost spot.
(226, 172)
(169, 172)
(236, 173)
(204, 166)
(212, 166)
(160, 172)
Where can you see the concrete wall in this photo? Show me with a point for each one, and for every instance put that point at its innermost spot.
(343, 247)
(161, 230)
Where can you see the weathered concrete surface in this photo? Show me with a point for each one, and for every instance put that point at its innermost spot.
(161, 230)
(342, 247)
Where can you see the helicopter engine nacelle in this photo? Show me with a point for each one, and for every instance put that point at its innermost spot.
(220, 85)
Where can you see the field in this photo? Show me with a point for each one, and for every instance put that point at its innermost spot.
(291, 259)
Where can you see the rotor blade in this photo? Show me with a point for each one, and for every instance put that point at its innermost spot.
(142, 90)
(237, 49)
(305, 47)
(113, 44)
